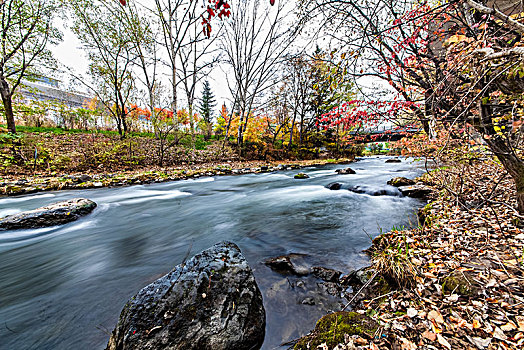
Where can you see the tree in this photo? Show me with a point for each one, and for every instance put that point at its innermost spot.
(207, 103)
(101, 27)
(456, 63)
(27, 30)
(255, 42)
(178, 18)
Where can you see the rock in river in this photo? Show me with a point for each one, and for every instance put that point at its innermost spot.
(334, 186)
(54, 214)
(416, 191)
(301, 176)
(210, 302)
(393, 160)
(293, 264)
(345, 171)
(401, 181)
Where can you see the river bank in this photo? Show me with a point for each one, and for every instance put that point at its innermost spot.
(454, 282)
(14, 185)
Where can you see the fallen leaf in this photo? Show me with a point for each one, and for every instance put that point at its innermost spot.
(520, 321)
(435, 315)
(499, 334)
(412, 312)
(480, 343)
(442, 341)
(429, 335)
(508, 326)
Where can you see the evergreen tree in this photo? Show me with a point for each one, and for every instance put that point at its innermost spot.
(207, 103)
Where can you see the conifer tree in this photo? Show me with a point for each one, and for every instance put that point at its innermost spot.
(207, 103)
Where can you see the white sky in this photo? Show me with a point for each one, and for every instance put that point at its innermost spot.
(69, 54)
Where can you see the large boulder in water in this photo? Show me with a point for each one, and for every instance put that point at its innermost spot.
(54, 214)
(393, 160)
(210, 302)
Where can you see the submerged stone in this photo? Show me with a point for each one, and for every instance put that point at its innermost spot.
(291, 264)
(54, 214)
(211, 301)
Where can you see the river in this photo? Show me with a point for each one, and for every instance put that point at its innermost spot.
(64, 287)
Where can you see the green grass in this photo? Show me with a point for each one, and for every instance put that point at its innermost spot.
(60, 131)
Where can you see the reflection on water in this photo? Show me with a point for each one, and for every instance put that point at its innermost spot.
(61, 287)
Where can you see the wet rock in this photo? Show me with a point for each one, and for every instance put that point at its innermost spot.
(375, 191)
(401, 181)
(358, 277)
(331, 288)
(393, 160)
(416, 191)
(332, 329)
(301, 176)
(334, 186)
(345, 171)
(264, 168)
(308, 301)
(291, 264)
(55, 214)
(328, 275)
(210, 302)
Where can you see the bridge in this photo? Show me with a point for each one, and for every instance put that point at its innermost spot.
(383, 134)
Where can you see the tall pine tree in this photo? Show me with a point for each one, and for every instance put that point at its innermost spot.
(207, 103)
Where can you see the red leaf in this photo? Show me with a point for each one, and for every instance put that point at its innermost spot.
(272, 2)
(123, 2)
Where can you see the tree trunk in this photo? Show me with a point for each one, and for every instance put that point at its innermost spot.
(8, 105)
(500, 147)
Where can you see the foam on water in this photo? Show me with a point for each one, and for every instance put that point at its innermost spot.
(25, 198)
(155, 195)
(9, 211)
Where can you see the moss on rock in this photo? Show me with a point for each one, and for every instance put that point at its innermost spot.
(460, 283)
(331, 328)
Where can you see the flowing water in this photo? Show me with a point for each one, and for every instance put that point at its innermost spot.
(64, 287)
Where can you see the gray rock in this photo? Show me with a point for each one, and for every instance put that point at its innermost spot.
(416, 191)
(328, 275)
(401, 181)
(84, 178)
(334, 186)
(308, 301)
(55, 214)
(293, 264)
(345, 171)
(393, 160)
(210, 302)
